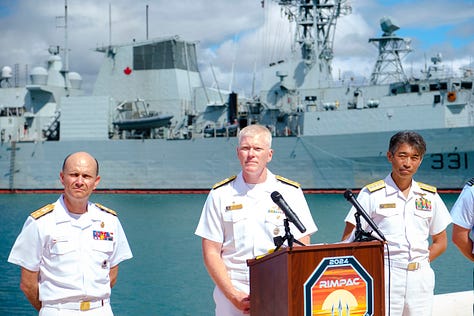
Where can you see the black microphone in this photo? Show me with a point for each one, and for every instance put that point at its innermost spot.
(290, 215)
(350, 197)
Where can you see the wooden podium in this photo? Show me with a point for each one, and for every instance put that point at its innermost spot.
(332, 279)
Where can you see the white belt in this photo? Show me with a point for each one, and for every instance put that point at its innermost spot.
(81, 306)
(410, 266)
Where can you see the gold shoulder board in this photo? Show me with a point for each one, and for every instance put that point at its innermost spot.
(427, 187)
(223, 182)
(375, 186)
(288, 181)
(470, 182)
(42, 211)
(106, 209)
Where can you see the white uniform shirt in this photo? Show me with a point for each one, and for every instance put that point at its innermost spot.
(463, 210)
(73, 256)
(244, 218)
(405, 222)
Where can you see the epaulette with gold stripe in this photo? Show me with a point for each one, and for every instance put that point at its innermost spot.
(427, 187)
(470, 182)
(106, 209)
(288, 181)
(375, 186)
(42, 211)
(223, 182)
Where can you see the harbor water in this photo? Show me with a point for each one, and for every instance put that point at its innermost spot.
(166, 275)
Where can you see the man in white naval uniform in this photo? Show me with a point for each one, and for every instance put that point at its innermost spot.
(463, 220)
(239, 220)
(69, 251)
(407, 213)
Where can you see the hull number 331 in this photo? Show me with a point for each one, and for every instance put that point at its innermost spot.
(449, 161)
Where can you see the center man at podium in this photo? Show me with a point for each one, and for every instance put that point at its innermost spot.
(239, 220)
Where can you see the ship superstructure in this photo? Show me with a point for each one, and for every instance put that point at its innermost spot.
(153, 125)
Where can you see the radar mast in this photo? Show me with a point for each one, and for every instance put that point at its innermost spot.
(388, 67)
(315, 28)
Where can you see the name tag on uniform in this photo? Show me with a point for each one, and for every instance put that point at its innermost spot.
(388, 205)
(59, 239)
(233, 207)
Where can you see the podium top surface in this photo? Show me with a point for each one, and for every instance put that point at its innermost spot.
(316, 247)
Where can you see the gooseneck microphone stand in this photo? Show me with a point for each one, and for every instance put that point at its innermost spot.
(279, 240)
(360, 234)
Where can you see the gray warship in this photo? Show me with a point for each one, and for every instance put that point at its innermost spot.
(154, 126)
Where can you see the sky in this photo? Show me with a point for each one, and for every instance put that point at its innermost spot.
(236, 38)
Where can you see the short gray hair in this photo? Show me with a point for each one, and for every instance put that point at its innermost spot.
(407, 137)
(256, 129)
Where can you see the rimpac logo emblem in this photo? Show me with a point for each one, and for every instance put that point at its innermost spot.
(339, 286)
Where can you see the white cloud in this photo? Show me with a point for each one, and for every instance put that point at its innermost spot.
(231, 34)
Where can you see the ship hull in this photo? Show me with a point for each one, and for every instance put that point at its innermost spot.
(316, 162)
